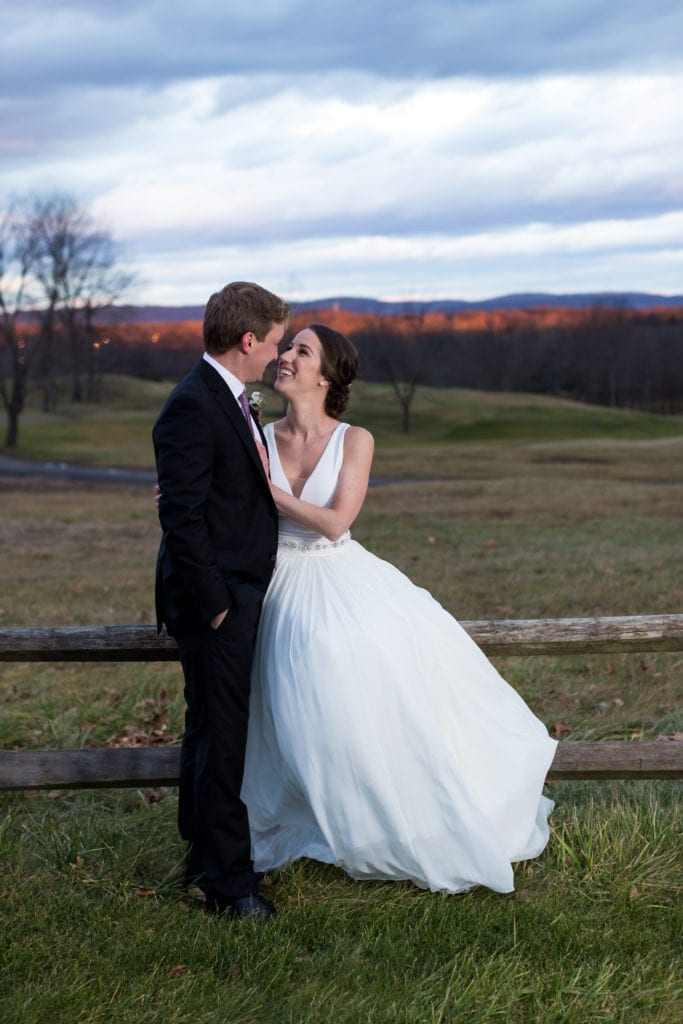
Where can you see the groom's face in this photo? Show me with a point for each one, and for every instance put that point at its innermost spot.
(261, 353)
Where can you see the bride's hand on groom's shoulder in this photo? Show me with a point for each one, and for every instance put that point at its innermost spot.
(279, 495)
(263, 453)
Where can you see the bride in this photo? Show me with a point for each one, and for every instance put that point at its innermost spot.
(381, 739)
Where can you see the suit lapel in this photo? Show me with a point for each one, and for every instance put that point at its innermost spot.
(229, 405)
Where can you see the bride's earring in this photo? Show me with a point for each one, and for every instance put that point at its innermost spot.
(322, 383)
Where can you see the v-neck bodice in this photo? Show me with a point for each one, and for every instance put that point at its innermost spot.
(319, 488)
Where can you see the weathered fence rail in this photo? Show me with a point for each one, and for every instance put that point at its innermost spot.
(103, 768)
(158, 766)
(495, 637)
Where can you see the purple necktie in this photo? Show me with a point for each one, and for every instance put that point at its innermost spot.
(244, 406)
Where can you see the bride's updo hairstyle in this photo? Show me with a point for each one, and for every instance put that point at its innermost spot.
(339, 365)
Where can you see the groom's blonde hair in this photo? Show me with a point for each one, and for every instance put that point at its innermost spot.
(238, 308)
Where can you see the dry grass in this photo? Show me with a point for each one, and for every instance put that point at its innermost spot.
(510, 530)
(516, 531)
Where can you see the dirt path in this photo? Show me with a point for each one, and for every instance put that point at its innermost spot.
(25, 469)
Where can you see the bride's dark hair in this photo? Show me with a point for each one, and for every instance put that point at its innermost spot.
(339, 365)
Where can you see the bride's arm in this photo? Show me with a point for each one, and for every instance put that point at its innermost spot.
(349, 496)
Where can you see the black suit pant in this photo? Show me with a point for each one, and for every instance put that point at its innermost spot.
(212, 816)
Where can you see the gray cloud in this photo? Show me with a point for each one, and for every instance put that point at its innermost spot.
(215, 132)
(100, 43)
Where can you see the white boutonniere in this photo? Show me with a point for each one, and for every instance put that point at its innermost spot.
(256, 402)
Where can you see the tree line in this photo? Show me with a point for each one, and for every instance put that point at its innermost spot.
(610, 356)
(602, 355)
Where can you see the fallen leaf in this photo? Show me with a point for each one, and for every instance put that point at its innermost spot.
(135, 737)
(633, 894)
(146, 702)
(176, 971)
(155, 796)
(618, 702)
(560, 728)
(142, 893)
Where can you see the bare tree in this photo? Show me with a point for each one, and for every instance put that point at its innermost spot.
(60, 267)
(404, 366)
(92, 282)
(77, 265)
(399, 354)
(16, 338)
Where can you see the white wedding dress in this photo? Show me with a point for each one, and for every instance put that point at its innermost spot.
(381, 739)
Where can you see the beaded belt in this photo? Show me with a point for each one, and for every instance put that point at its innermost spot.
(318, 546)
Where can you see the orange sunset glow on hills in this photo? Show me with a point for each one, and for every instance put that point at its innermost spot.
(185, 334)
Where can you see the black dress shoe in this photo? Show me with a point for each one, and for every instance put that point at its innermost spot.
(240, 906)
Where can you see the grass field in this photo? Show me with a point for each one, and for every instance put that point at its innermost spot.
(568, 511)
(118, 432)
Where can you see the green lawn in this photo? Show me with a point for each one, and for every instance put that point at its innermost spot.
(579, 517)
(118, 432)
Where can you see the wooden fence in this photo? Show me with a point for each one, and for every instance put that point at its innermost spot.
(158, 766)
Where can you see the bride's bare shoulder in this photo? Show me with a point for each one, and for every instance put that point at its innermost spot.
(358, 439)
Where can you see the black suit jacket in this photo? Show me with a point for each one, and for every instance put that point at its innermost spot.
(218, 517)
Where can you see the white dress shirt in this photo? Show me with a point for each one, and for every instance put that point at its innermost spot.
(236, 386)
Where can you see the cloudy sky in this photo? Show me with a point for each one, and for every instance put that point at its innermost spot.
(388, 149)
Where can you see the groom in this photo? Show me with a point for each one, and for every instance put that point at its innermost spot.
(215, 561)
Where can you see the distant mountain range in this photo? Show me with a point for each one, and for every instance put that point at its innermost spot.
(378, 307)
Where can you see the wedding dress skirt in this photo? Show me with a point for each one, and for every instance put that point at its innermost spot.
(381, 739)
